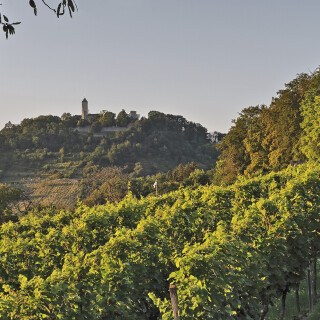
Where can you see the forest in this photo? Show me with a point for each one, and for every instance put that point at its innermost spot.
(268, 138)
(234, 225)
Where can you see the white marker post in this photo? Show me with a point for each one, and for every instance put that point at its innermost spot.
(155, 185)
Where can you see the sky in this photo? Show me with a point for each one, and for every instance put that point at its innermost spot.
(203, 59)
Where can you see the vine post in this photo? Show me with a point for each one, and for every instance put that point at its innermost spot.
(174, 301)
(310, 289)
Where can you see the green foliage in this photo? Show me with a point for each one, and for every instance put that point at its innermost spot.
(270, 138)
(122, 119)
(283, 119)
(228, 250)
(237, 146)
(9, 197)
(107, 184)
(310, 110)
(182, 176)
(95, 127)
(159, 144)
(107, 118)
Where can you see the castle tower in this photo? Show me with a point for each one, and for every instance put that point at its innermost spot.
(85, 109)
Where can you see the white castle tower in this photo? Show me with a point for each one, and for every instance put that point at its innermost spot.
(85, 109)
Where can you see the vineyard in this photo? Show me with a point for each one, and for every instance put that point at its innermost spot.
(61, 193)
(231, 252)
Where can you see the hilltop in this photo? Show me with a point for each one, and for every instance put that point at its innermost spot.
(51, 155)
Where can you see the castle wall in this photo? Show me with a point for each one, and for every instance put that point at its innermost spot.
(103, 129)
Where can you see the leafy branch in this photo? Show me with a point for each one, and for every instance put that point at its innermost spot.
(70, 5)
(8, 28)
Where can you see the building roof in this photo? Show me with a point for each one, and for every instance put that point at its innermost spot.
(84, 100)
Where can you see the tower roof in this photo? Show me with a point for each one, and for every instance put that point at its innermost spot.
(84, 100)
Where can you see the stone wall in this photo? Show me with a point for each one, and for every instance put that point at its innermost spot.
(104, 129)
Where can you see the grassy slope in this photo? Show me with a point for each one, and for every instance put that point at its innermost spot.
(291, 309)
(61, 193)
(315, 315)
(47, 183)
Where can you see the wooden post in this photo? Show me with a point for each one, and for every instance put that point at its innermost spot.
(174, 301)
(298, 301)
(283, 304)
(315, 293)
(310, 290)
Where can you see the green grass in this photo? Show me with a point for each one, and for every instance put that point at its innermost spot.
(315, 315)
(291, 309)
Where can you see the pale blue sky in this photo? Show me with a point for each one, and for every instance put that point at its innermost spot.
(203, 59)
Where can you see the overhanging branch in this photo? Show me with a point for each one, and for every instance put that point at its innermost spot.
(54, 10)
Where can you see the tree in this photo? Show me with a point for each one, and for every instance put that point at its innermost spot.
(254, 144)
(9, 202)
(310, 139)
(282, 122)
(234, 146)
(107, 118)
(82, 123)
(123, 119)
(95, 127)
(8, 125)
(102, 185)
(216, 137)
(62, 6)
(66, 116)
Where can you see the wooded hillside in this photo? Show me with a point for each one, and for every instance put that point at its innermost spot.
(47, 156)
(268, 138)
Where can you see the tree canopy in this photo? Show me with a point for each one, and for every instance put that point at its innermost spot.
(265, 138)
(310, 108)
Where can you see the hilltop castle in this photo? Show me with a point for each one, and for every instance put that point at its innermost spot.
(86, 115)
(85, 111)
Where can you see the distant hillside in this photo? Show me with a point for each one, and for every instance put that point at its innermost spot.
(51, 148)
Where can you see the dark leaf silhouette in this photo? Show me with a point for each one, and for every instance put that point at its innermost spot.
(8, 28)
(32, 4)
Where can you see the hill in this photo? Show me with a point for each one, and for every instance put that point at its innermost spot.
(49, 148)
